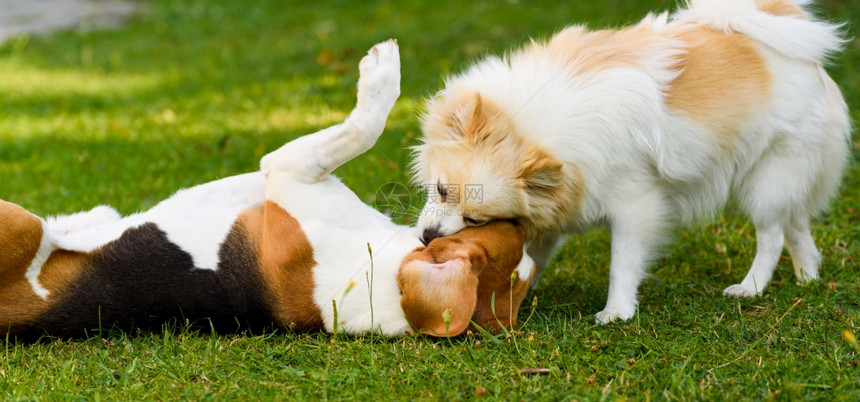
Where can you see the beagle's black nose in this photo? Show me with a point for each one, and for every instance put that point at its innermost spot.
(429, 235)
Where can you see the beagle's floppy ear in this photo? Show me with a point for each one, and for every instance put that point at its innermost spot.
(499, 293)
(438, 298)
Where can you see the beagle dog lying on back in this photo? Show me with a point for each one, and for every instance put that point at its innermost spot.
(289, 246)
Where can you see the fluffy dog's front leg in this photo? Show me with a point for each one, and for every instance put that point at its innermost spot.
(637, 229)
(311, 158)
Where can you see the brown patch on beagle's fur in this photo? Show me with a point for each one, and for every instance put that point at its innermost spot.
(723, 81)
(20, 239)
(456, 278)
(22, 309)
(19, 305)
(60, 270)
(286, 261)
(781, 7)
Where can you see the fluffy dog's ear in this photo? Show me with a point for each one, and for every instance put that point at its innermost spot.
(476, 120)
(540, 172)
(476, 124)
(438, 299)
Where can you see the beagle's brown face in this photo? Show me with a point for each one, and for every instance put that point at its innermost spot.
(455, 281)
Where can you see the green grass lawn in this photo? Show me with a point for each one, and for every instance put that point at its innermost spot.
(195, 90)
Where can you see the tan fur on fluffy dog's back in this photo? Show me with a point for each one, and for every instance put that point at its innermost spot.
(724, 80)
(781, 7)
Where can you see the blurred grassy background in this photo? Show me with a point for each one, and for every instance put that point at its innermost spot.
(191, 91)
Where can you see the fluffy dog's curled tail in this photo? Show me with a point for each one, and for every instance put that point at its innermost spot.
(782, 25)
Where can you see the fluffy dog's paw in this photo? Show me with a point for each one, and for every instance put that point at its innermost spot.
(805, 276)
(379, 84)
(610, 314)
(740, 291)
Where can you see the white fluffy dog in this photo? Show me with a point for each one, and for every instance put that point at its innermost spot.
(644, 126)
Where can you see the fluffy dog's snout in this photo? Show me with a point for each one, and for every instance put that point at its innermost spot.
(430, 234)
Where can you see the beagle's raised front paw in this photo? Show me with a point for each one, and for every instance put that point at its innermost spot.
(379, 83)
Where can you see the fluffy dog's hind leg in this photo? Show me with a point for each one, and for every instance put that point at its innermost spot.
(792, 180)
(801, 246)
(769, 243)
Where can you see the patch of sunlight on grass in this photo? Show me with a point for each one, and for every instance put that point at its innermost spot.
(19, 78)
(407, 109)
(310, 117)
(282, 118)
(75, 125)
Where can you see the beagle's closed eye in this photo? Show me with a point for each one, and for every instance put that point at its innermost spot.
(474, 222)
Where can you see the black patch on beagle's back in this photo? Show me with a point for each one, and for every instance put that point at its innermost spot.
(142, 280)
